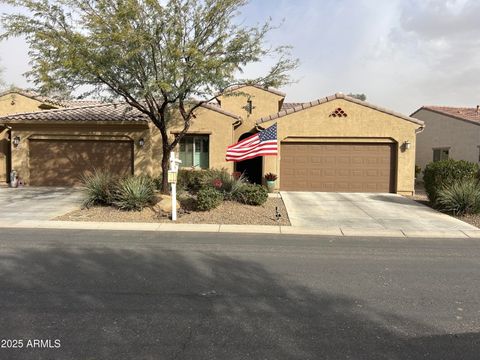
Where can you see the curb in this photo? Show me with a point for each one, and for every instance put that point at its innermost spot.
(239, 229)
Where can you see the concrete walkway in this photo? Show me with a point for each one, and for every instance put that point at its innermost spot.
(366, 212)
(37, 203)
(246, 229)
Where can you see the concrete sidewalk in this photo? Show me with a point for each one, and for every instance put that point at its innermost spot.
(247, 229)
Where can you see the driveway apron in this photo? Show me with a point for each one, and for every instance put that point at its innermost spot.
(37, 203)
(365, 211)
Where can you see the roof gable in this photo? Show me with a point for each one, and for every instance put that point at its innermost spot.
(327, 99)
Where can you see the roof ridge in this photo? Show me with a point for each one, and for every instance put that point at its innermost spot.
(239, 86)
(60, 110)
(326, 99)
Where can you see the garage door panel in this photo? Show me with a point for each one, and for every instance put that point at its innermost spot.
(348, 167)
(64, 162)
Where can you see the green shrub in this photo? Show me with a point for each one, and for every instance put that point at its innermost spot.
(191, 180)
(462, 197)
(223, 181)
(444, 173)
(208, 198)
(98, 188)
(252, 194)
(134, 193)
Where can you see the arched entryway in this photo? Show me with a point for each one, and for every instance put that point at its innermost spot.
(251, 168)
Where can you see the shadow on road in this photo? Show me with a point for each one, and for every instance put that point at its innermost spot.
(154, 304)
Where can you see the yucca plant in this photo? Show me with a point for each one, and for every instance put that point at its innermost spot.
(223, 181)
(134, 193)
(98, 188)
(460, 198)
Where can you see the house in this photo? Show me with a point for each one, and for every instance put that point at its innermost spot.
(335, 143)
(451, 132)
(17, 100)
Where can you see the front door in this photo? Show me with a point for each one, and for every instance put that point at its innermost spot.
(4, 155)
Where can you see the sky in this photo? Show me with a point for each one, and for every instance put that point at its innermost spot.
(402, 54)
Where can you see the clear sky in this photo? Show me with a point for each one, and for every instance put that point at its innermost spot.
(401, 53)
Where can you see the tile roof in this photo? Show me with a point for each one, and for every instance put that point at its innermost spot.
(49, 100)
(286, 106)
(269, 89)
(103, 112)
(100, 112)
(310, 104)
(461, 113)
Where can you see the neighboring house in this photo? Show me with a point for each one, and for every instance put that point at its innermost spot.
(332, 144)
(451, 132)
(18, 100)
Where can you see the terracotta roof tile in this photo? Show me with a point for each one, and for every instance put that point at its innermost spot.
(269, 89)
(462, 113)
(303, 106)
(103, 112)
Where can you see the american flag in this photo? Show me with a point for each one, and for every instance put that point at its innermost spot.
(262, 144)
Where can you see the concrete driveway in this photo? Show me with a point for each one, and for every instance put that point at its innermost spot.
(37, 203)
(365, 211)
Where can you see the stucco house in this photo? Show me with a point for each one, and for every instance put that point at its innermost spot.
(450, 132)
(335, 143)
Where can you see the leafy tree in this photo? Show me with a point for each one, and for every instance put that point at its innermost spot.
(157, 55)
(362, 97)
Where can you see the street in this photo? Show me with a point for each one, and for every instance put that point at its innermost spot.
(153, 295)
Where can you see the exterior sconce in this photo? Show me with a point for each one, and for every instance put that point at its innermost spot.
(141, 142)
(16, 141)
(406, 145)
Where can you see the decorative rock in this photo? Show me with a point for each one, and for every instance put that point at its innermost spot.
(164, 204)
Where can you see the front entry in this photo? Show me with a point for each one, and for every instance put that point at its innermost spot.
(4, 155)
(251, 168)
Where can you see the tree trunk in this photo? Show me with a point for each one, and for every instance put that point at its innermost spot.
(165, 166)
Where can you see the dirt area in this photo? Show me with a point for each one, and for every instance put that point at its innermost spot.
(227, 213)
(421, 197)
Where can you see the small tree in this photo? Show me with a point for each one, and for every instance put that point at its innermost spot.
(156, 55)
(362, 97)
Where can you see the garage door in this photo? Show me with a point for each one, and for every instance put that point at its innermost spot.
(63, 162)
(344, 167)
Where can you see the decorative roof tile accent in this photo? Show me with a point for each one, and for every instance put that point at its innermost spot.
(460, 113)
(109, 112)
(324, 100)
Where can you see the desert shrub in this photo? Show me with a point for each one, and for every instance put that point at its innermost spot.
(228, 184)
(98, 188)
(252, 194)
(191, 180)
(208, 198)
(134, 193)
(462, 197)
(444, 173)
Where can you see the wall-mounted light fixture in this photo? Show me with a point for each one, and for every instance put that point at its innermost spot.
(141, 142)
(16, 141)
(406, 145)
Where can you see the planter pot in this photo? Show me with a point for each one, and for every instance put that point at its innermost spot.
(270, 186)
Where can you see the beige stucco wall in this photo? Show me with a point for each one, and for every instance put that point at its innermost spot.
(442, 131)
(362, 124)
(264, 103)
(12, 103)
(20, 154)
(147, 159)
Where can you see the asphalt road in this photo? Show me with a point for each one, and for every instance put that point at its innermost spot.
(129, 295)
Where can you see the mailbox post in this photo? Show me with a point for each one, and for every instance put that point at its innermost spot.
(172, 179)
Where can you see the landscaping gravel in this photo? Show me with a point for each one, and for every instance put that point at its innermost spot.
(227, 213)
(474, 219)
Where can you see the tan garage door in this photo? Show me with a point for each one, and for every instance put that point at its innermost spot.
(344, 167)
(63, 162)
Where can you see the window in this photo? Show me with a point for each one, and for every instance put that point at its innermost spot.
(440, 154)
(194, 151)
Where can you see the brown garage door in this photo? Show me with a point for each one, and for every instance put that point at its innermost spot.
(347, 167)
(63, 162)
